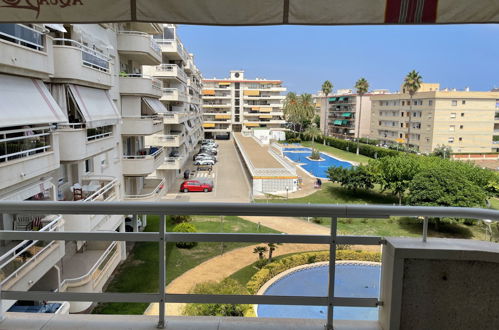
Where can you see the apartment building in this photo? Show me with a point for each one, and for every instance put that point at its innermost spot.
(348, 115)
(78, 107)
(464, 120)
(238, 104)
(181, 82)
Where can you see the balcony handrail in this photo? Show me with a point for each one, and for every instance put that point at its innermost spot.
(156, 190)
(153, 155)
(85, 50)
(227, 209)
(22, 247)
(26, 152)
(39, 46)
(67, 282)
(72, 125)
(101, 191)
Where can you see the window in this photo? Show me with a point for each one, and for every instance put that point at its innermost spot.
(497, 103)
(454, 103)
(401, 124)
(237, 85)
(461, 126)
(460, 139)
(462, 114)
(89, 165)
(464, 102)
(452, 128)
(403, 102)
(237, 94)
(430, 102)
(451, 139)
(401, 135)
(453, 115)
(402, 114)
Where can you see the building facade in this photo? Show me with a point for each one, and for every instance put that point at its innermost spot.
(349, 115)
(464, 120)
(78, 107)
(238, 104)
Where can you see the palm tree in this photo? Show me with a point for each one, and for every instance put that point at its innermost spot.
(412, 83)
(326, 88)
(361, 86)
(272, 248)
(291, 108)
(313, 132)
(306, 109)
(260, 250)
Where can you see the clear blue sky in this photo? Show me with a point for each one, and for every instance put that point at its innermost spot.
(304, 56)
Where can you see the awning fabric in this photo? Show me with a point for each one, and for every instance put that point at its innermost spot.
(25, 101)
(337, 122)
(346, 114)
(252, 124)
(252, 93)
(265, 116)
(56, 27)
(222, 116)
(265, 109)
(255, 108)
(224, 83)
(332, 99)
(154, 105)
(255, 12)
(208, 92)
(95, 105)
(208, 125)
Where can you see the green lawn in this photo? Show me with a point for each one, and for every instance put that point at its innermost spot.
(139, 273)
(345, 155)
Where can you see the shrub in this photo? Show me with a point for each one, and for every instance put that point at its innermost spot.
(317, 220)
(315, 155)
(176, 219)
(277, 267)
(261, 263)
(227, 286)
(294, 140)
(185, 227)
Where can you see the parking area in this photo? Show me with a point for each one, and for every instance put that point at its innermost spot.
(229, 179)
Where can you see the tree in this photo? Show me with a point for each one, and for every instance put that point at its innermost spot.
(354, 178)
(442, 151)
(361, 86)
(313, 132)
(260, 250)
(227, 286)
(291, 108)
(326, 88)
(412, 83)
(306, 109)
(395, 173)
(272, 248)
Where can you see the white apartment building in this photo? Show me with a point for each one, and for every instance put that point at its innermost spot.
(181, 97)
(76, 114)
(238, 104)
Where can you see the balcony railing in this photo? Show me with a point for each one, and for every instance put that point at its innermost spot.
(145, 153)
(22, 35)
(90, 57)
(27, 252)
(153, 44)
(152, 187)
(156, 83)
(226, 209)
(25, 142)
(173, 70)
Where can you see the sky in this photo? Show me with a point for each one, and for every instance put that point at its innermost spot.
(456, 56)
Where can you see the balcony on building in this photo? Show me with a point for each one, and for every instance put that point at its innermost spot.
(151, 190)
(172, 139)
(213, 127)
(26, 50)
(174, 94)
(140, 47)
(178, 115)
(89, 270)
(175, 161)
(140, 84)
(141, 116)
(170, 71)
(172, 48)
(77, 63)
(144, 162)
(91, 126)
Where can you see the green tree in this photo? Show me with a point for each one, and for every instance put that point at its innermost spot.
(362, 87)
(227, 286)
(185, 227)
(272, 248)
(313, 132)
(442, 151)
(326, 88)
(291, 108)
(354, 178)
(395, 173)
(306, 109)
(260, 250)
(412, 83)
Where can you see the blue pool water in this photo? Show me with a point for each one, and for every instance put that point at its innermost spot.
(316, 168)
(351, 280)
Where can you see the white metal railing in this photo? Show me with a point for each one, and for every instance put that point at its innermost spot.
(156, 83)
(226, 209)
(157, 189)
(24, 142)
(22, 35)
(102, 193)
(174, 69)
(90, 57)
(154, 155)
(94, 273)
(9, 269)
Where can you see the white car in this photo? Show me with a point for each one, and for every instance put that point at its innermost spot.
(204, 162)
(199, 158)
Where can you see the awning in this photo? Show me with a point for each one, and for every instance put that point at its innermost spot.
(265, 109)
(252, 93)
(222, 116)
(208, 92)
(255, 108)
(25, 101)
(256, 12)
(154, 106)
(265, 116)
(337, 122)
(346, 114)
(332, 99)
(252, 124)
(56, 27)
(341, 98)
(208, 125)
(224, 83)
(95, 105)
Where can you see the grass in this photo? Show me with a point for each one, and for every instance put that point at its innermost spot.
(345, 155)
(139, 273)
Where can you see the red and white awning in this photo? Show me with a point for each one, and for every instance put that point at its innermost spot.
(252, 12)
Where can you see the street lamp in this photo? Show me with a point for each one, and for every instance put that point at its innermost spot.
(287, 192)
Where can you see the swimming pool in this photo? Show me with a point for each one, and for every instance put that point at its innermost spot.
(351, 280)
(316, 168)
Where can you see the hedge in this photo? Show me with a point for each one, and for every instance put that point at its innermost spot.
(364, 149)
(274, 268)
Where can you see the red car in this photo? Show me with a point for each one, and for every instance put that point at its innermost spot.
(194, 185)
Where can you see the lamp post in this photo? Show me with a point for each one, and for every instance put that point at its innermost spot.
(287, 192)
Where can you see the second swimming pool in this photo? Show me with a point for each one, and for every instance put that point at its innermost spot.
(316, 168)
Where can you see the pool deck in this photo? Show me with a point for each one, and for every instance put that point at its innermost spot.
(258, 155)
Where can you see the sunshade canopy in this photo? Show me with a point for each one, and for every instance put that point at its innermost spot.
(95, 105)
(155, 106)
(254, 12)
(25, 101)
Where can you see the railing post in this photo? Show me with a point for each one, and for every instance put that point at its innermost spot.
(425, 229)
(162, 271)
(2, 315)
(332, 265)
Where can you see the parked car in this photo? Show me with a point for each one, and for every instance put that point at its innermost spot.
(195, 185)
(204, 162)
(203, 157)
(212, 150)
